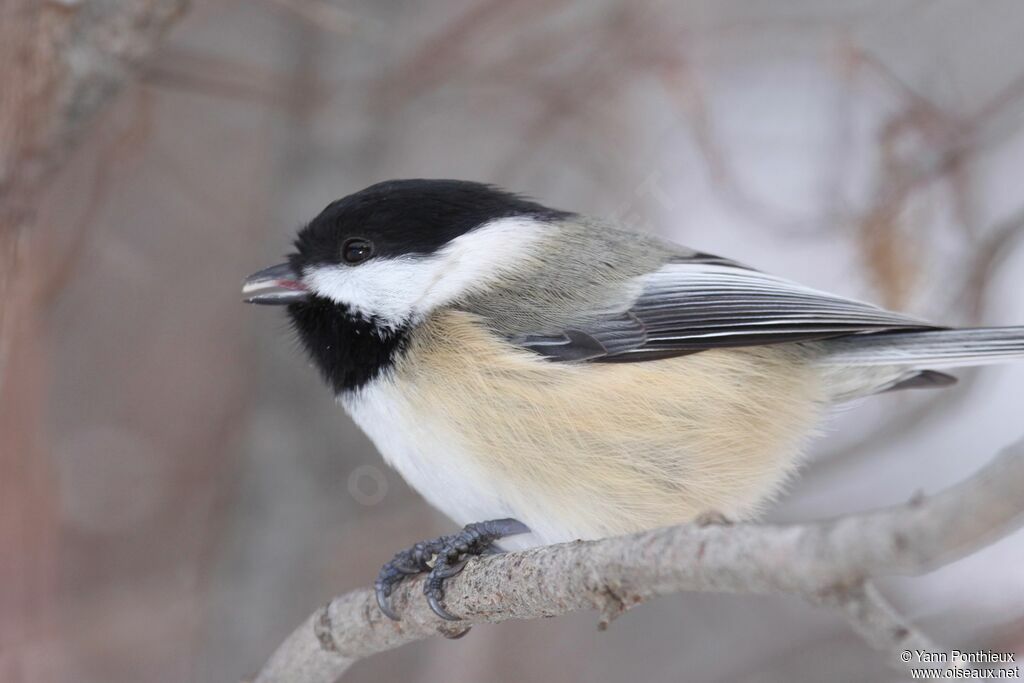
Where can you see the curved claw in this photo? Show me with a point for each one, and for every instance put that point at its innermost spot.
(457, 634)
(439, 610)
(448, 571)
(474, 539)
(508, 527)
(384, 605)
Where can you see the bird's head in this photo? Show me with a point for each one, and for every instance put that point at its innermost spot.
(396, 251)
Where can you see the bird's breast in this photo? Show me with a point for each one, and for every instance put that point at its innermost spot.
(483, 429)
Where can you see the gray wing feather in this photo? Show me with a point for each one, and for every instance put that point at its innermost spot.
(693, 305)
(603, 338)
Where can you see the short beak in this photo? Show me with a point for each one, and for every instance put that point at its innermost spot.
(277, 285)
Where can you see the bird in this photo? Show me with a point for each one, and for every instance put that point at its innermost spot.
(541, 376)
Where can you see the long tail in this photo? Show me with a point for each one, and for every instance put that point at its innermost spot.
(929, 348)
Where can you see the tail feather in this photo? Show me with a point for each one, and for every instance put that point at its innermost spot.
(928, 348)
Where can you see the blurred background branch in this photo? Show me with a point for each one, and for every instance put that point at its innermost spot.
(61, 64)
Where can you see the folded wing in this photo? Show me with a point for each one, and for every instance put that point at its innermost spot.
(691, 305)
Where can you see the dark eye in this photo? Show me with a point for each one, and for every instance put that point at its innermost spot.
(356, 250)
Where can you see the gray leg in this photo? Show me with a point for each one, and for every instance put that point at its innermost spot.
(449, 553)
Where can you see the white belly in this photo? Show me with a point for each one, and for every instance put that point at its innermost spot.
(430, 459)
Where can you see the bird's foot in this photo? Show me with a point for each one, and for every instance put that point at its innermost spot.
(442, 558)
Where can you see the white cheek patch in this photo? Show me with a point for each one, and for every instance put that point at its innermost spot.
(381, 288)
(407, 288)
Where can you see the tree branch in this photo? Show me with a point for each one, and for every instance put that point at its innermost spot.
(61, 62)
(827, 563)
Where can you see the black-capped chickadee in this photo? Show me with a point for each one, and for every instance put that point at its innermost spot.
(563, 377)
